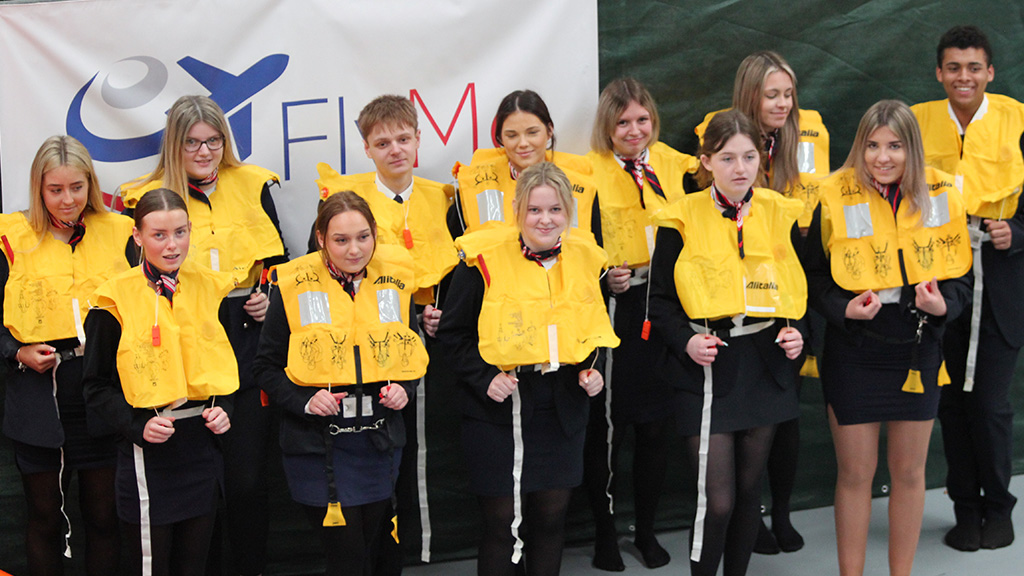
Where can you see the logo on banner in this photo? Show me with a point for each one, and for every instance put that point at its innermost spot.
(226, 89)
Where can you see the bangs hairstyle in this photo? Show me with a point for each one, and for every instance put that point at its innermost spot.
(390, 110)
(340, 202)
(896, 116)
(523, 101)
(615, 98)
(183, 115)
(57, 151)
(542, 174)
(747, 93)
(964, 37)
(722, 127)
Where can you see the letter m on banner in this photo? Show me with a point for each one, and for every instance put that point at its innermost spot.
(469, 93)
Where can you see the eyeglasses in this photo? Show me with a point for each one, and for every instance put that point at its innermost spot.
(193, 145)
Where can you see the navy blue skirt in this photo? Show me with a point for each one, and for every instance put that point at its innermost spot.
(362, 473)
(179, 479)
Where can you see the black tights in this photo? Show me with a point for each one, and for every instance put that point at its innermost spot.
(650, 462)
(44, 538)
(542, 531)
(350, 549)
(782, 470)
(178, 549)
(736, 463)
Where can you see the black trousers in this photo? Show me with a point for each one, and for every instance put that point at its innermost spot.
(246, 522)
(977, 426)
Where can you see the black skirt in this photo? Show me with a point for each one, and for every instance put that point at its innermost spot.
(755, 399)
(33, 432)
(862, 377)
(551, 458)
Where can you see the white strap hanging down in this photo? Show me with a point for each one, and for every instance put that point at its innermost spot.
(608, 414)
(705, 429)
(421, 470)
(702, 467)
(552, 348)
(517, 473)
(78, 321)
(60, 474)
(977, 238)
(421, 459)
(144, 525)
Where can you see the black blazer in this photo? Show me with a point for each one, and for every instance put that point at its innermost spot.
(301, 433)
(460, 340)
(830, 300)
(103, 393)
(670, 320)
(1004, 280)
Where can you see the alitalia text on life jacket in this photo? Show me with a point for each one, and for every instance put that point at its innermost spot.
(390, 279)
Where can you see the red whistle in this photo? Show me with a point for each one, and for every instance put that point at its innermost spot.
(645, 333)
(47, 352)
(156, 335)
(929, 287)
(408, 238)
(867, 301)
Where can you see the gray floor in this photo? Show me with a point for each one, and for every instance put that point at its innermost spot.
(819, 555)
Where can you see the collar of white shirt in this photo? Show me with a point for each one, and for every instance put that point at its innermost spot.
(977, 115)
(389, 193)
(642, 158)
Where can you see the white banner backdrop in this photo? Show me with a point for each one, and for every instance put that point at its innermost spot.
(292, 76)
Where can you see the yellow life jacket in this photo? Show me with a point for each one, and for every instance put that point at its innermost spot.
(626, 228)
(713, 282)
(488, 191)
(326, 324)
(986, 165)
(524, 303)
(47, 292)
(191, 358)
(866, 243)
(423, 215)
(236, 231)
(811, 160)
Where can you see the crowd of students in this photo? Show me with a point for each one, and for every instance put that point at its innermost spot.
(574, 297)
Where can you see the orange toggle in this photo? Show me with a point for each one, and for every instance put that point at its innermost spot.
(483, 268)
(8, 249)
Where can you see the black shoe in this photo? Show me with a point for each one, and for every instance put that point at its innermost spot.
(789, 540)
(655, 556)
(997, 533)
(965, 537)
(766, 542)
(607, 556)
